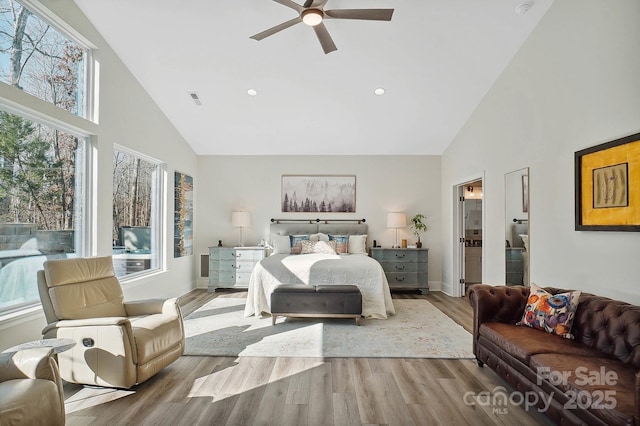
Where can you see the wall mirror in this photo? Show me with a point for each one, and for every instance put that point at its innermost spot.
(516, 195)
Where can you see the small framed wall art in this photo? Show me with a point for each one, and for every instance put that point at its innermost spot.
(183, 215)
(607, 186)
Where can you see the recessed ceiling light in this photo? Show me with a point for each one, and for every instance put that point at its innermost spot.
(252, 92)
(379, 91)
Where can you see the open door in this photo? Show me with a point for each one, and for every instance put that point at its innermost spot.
(468, 248)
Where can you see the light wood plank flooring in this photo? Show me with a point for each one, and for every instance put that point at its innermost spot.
(199, 390)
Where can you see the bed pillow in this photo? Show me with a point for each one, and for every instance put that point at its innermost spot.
(342, 243)
(319, 237)
(358, 244)
(281, 244)
(553, 313)
(324, 247)
(296, 243)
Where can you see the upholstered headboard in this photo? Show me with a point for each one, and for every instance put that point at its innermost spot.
(296, 228)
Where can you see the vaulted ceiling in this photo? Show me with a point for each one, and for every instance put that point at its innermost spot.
(435, 59)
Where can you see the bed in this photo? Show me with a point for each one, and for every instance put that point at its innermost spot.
(320, 269)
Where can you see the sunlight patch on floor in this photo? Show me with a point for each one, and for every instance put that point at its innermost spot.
(91, 396)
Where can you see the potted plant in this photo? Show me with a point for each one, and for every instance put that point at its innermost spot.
(418, 226)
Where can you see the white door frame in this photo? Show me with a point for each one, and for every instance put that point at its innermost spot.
(458, 232)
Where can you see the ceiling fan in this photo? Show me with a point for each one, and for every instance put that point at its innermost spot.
(312, 13)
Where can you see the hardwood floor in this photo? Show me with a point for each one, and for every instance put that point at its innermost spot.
(199, 390)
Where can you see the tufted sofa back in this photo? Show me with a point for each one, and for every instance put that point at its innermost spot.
(611, 326)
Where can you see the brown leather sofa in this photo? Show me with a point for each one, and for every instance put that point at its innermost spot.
(30, 388)
(593, 379)
(118, 344)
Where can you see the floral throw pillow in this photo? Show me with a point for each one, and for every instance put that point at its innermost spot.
(553, 313)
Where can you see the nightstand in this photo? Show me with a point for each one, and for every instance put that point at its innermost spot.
(405, 268)
(231, 267)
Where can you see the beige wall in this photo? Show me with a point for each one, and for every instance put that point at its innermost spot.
(383, 184)
(572, 85)
(130, 118)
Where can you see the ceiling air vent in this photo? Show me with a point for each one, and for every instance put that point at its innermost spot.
(196, 98)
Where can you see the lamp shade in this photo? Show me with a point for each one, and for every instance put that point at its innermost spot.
(240, 219)
(396, 220)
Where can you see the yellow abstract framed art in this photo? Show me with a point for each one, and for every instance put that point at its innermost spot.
(607, 186)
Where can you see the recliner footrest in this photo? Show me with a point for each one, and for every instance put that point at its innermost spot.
(322, 301)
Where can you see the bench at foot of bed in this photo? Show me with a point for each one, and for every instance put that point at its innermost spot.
(322, 301)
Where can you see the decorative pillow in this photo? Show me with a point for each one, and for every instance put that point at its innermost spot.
(552, 313)
(324, 247)
(296, 243)
(319, 237)
(281, 244)
(358, 244)
(307, 246)
(342, 243)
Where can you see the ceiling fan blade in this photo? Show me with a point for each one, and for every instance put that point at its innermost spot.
(277, 28)
(318, 3)
(293, 5)
(325, 39)
(366, 14)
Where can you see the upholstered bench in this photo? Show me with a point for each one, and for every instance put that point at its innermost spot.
(322, 301)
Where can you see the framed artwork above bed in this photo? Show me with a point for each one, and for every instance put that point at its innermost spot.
(318, 193)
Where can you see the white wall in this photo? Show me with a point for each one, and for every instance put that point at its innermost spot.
(128, 117)
(383, 183)
(574, 84)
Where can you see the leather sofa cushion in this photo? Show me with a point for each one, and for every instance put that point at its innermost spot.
(589, 375)
(30, 402)
(522, 342)
(155, 335)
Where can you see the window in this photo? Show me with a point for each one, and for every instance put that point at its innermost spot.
(42, 187)
(137, 212)
(37, 58)
(44, 167)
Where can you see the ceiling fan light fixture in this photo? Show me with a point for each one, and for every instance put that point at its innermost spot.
(312, 17)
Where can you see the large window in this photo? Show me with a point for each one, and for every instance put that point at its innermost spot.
(44, 168)
(137, 221)
(42, 182)
(37, 58)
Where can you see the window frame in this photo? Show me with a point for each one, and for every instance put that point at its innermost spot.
(30, 107)
(158, 215)
(90, 68)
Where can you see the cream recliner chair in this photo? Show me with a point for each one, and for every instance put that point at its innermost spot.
(118, 344)
(30, 388)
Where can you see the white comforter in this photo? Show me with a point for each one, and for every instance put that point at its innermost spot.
(316, 269)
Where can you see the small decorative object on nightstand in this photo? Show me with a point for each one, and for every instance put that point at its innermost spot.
(231, 267)
(418, 226)
(405, 269)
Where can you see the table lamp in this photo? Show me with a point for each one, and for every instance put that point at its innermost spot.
(241, 220)
(395, 221)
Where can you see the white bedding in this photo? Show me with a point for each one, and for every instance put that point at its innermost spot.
(316, 269)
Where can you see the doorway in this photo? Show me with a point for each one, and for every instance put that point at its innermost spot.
(469, 238)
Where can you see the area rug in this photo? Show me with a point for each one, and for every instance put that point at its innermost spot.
(417, 330)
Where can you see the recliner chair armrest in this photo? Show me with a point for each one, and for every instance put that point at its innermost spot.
(152, 306)
(105, 321)
(31, 363)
